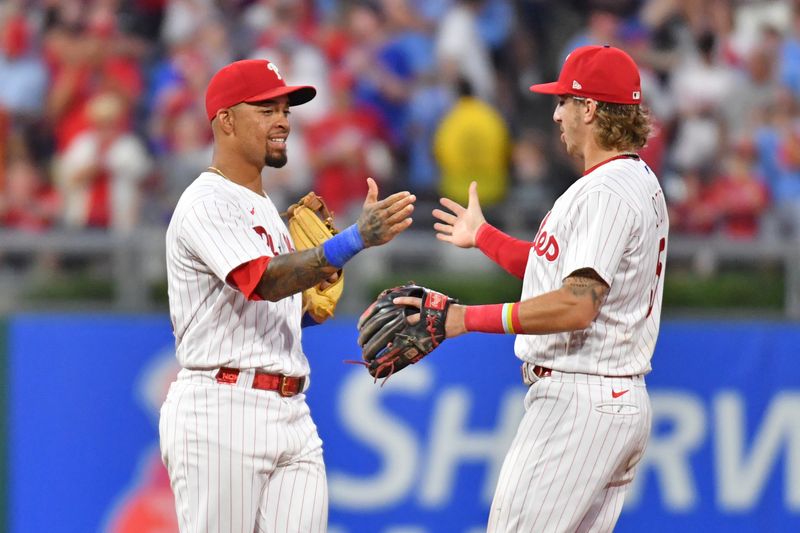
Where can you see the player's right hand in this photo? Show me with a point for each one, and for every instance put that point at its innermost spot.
(461, 225)
(380, 221)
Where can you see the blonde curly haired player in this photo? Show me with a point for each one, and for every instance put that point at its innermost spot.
(589, 314)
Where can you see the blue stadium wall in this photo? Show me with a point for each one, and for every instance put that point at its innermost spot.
(420, 454)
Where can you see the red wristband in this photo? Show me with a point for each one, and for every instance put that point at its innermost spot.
(494, 318)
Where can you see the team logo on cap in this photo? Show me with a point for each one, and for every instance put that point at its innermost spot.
(637, 95)
(577, 86)
(274, 69)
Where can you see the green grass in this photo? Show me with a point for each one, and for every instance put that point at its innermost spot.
(71, 287)
(756, 289)
(468, 289)
(732, 289)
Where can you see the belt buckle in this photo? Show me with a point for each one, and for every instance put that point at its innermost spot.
(283, 382)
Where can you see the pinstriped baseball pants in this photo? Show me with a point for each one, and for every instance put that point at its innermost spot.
(573, 456)
(242, 460)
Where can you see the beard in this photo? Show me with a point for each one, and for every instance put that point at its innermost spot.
(276, 160)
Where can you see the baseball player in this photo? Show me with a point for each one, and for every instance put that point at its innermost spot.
(591, 303)
(241, 449)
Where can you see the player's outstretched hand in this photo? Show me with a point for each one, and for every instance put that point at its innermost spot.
(381, 220)
(454, 323)
(461, 224)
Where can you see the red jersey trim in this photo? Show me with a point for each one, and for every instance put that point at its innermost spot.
(246, 276)
(609, 160)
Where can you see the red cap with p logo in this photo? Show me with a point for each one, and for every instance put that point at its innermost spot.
(251, 80)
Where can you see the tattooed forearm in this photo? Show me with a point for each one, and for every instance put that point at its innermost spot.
(586, 282)
(288, 274)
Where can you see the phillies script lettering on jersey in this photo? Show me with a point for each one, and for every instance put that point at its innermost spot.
(614, 221)
(269, 240)
(544, 244)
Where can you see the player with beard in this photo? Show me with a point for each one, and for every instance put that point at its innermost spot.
(237, 438)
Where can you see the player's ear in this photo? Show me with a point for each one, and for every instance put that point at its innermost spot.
(225, 119)
(589, 110)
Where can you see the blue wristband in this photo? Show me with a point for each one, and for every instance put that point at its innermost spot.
(340, 248)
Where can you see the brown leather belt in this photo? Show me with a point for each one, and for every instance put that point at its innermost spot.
(286, 386)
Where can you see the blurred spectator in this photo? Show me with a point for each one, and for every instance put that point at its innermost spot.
(432, 98)
(87, 59)
(461, 49)
(283, 42)
(188, 153)
(713, 73)
(100, 172)
(702, 86)
(23, 72)
(790, 54)
(739, 195)
(382, 69)
(603, 26)
(532, 193)
(757, 86)
(28, 203)
(344, 148)
(495, 22)
(777, 142)
(472, 143)
(176, 82)
(408, 30)
(691, 210)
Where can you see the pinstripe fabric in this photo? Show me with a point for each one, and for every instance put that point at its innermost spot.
(611, 220)
(239, 459)
(583, 433)
(573, 456)
(217, 226)
(242, 460)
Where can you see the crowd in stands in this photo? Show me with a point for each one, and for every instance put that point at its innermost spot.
(102, 121)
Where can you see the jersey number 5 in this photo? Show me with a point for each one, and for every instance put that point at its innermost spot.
(662, 244)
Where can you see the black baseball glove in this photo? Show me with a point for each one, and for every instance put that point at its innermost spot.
(388, 342)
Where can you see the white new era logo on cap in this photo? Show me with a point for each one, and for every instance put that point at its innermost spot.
(576, 85)
(637, 95)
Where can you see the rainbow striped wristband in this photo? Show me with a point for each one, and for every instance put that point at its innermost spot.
(494, 318)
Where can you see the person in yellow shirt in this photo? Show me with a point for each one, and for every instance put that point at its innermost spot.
(472, 143)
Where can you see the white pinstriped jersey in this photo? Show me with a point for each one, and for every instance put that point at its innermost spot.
(217, 226)
(613, 220)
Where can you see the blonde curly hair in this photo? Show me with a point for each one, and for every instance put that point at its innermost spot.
(622, 127)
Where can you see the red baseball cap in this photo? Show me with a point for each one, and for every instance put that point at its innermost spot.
(251, 80)
(602, 73)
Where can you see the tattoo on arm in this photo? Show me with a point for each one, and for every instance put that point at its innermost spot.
(288, 274)
(371, 227)
(586, 282)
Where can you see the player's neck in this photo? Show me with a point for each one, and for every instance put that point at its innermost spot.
(594, 155)
(243, 175)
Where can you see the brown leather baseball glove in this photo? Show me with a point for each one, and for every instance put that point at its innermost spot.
(310, 224)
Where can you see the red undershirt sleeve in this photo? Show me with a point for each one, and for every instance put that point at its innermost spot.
(246, 276)
(505, 250)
